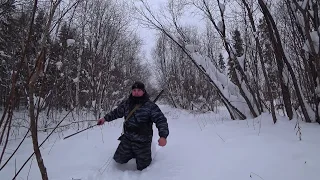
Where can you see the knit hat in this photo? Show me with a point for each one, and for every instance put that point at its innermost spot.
(138, 85)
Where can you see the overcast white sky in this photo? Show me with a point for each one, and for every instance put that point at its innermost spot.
(148, 35)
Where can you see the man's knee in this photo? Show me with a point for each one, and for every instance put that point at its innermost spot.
(143, 156)
(123, 153)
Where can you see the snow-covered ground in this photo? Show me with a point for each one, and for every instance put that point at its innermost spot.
(200, 146)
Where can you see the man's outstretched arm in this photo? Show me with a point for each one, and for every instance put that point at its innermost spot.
(118, 112)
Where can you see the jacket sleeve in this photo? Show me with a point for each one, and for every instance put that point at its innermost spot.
(160, 120)
(118, 112)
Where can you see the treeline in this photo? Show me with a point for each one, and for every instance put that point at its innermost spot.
(255, 56)
(63, 56)
(90, 57)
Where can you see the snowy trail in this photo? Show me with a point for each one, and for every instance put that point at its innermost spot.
(202, 146)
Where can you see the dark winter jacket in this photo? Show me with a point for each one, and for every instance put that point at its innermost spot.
(139, 126)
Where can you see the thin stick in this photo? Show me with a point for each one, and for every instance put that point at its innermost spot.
(30, 168)
(80, 131)
(53, 145)
(259, 127)
(15, 150)
(220, 137)
(256, 175)
(15, 165)
(102, 135)
(105, 166)
(199, 125)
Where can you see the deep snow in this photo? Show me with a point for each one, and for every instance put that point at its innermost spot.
(206, 146)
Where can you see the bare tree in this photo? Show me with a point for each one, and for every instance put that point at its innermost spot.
(151, 20)
(34, 76)
(36, 70)
(301, 42)
(258, 45)
(281, 59)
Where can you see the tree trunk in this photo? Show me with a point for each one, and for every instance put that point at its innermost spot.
(262, 62)
(276, 42)
(33, 120)
(231, 54)
(34, 135)
(277, 45)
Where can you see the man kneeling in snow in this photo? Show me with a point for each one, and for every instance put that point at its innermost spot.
(137, 130)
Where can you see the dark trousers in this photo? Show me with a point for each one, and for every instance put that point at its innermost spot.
(128, 150)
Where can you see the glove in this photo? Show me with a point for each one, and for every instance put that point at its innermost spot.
(101, 121)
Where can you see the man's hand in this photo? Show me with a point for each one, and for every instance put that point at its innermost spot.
(101, 121)
(162, 141)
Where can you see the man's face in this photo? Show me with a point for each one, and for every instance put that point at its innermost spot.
(137, 92)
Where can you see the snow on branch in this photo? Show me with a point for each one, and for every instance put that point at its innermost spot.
(315, 43)
(228, 89)
(70, 42)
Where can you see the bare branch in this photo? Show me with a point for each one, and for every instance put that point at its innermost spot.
(15, 150)
(42, 143)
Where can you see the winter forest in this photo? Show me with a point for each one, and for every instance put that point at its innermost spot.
(80, 58)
